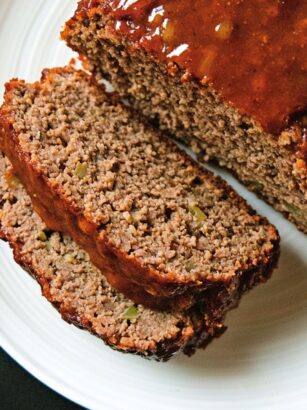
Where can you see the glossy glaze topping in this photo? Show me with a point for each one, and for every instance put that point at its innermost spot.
(253, 52)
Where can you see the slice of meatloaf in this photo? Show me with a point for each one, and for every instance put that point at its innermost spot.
(134, 45)
(165, 232)
(80, 291)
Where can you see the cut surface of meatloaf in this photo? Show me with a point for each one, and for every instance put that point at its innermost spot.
(121, 42)
(80, 291)
(165, 232)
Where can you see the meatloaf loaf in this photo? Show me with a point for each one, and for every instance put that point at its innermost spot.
(80, 291)
(227, 78)
(165, 232)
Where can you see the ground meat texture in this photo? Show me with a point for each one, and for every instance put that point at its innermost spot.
(273, 166)
(80, 291)
(165, 232)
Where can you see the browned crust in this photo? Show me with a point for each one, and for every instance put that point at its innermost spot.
(124, 273)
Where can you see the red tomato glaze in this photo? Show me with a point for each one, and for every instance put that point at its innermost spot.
(253, 52)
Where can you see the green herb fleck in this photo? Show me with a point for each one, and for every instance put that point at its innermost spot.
(255, 186)
(190, 265)
(69, 258)
(297, 212)
(81, 170)
(131, 313)
(41, 236)
(197, 213)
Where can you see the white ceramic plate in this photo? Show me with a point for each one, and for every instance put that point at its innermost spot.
(261, 361)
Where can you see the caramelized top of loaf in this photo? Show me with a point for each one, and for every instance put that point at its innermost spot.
(251, 51)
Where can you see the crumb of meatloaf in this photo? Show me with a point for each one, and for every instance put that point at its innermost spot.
(150, 200)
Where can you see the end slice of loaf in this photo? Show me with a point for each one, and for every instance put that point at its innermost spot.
(80, 291)
(273, 166)
(164, 231)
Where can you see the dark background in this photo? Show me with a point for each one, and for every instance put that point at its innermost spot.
(20, 391)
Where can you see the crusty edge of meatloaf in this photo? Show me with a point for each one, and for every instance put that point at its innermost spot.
(117, 267)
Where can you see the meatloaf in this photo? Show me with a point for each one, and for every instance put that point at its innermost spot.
(227, 78)
(80, 291)
(165, 232)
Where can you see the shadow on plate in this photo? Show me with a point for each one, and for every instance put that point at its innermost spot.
(267, 320)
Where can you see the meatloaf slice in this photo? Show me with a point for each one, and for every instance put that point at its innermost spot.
(165, 232)
(123, 41)
(80, 291)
